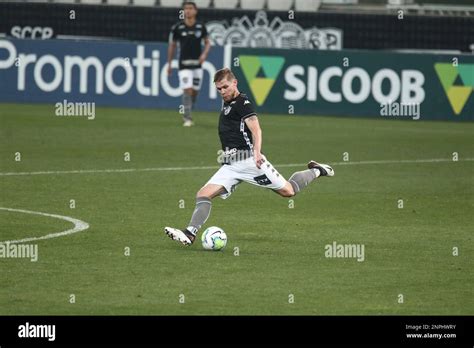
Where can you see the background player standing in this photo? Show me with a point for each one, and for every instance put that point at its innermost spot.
(189, 33)
(241, 139)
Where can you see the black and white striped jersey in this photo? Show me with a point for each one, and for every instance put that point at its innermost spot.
(190, 43)
(233, 131)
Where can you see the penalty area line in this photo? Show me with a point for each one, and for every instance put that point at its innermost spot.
(159, 169)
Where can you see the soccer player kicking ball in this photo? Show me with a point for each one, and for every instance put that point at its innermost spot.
(241, 139)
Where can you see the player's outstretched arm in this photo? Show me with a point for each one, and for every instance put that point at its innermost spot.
(171, 51)
(254, 126)
(205, 52)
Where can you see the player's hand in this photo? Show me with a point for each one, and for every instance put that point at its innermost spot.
(169, 69)
(202, 59)
(259, 160)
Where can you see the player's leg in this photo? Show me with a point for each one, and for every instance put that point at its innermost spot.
(268, 177)
(203, 206)
(299, 180)
(197, 82)
(222, 183)
(194, 97)
(286, 191)
(188, 105)
(186, 84)
(200, 214)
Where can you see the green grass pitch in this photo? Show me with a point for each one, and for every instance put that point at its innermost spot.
(408, 251)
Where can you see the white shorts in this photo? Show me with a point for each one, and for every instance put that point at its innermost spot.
(190, 78)
(230, 175)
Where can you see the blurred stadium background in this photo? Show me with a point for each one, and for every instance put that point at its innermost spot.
(320, 72)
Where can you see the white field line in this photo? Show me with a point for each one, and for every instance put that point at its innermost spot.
(78, 226)
(160, 169)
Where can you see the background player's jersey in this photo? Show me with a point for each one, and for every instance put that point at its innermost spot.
(233, 131)
(189, 39)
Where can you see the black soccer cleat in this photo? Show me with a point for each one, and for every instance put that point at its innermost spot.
(324, 169)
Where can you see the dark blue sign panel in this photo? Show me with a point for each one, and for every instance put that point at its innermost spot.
(131, 74)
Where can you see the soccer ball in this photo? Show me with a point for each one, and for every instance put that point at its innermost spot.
(214, 238)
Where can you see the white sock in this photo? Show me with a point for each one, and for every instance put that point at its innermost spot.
(316, 171)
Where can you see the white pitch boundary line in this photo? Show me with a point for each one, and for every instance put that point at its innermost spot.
(78, 226)
(158, 169)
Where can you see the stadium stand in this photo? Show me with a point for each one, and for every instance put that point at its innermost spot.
(144, 2)
(307, 5)
(169, 3)
(252, 4)
(420, 7)
(118, 2)
(91, 2)
(280, 5)
(202, 3)
(427, 26)
(226, 4)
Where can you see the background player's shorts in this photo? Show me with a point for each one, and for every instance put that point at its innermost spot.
(230, 175)
(190, 78)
